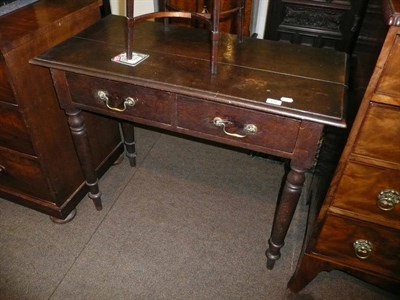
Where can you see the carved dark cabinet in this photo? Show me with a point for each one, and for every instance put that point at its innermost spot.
(323, 24)
(38, 163)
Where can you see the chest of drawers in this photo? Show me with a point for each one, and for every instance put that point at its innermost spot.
(357, 229)
(38, 164)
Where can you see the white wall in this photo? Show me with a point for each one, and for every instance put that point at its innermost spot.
(259, 12)
(259, 17)
(141, 7)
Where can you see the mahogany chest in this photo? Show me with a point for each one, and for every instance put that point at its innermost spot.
(357, 229)
(38, 163)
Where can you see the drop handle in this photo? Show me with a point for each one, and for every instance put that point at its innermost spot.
(248, 128)
(363, 248)
(128, 101)
(387, 199)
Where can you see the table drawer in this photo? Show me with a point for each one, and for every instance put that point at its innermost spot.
(265, 130)
(22, 173)
(112, 97)
(380, 134)
(370, 191)
(338, 236)
(13, 132)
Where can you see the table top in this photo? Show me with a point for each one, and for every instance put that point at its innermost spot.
(179, 61)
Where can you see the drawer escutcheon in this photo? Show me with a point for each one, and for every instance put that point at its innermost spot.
(387, 199)
(363, 248)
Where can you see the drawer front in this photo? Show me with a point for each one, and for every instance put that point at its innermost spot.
(13, 133)
(338, 236)
(370, 191)
(389, 81)
(22, 173)
(380, 134)
(109, 97)
(272, 132)
(6, 92)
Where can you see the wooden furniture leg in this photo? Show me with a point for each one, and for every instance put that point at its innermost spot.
(128, 131)
(284, 213)
(240, 19)
(81, 141)
(66, 220)
(129, 28)
(303, 159)
(215, 36)
(162, 6)
(105, 8)
(306, 272)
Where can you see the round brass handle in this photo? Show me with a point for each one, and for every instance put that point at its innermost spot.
(2, 170)
(248, 128)
(129, 101)
(387, 199)
(363, 248)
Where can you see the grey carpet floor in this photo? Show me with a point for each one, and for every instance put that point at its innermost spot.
(191, 221)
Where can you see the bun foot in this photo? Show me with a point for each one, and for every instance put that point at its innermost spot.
(68, 219)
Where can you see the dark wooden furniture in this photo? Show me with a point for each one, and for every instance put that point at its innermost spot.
(323, 24)
(225, 24)
(105, 8)
(173, 89)
(373, 29)
(353, 26)
(7, 6)
(211, 20)
(38, 163)
(357, 230)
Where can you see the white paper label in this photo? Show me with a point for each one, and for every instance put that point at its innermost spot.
(287, 99)
(273, 101)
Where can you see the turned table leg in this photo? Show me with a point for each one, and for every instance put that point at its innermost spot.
(81, 141)
(128, 131)
(284, 214)
(303, 158)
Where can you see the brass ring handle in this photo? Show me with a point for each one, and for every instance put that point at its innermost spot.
(387, 199)
(248, 128)
(363, 248)
(129, 101)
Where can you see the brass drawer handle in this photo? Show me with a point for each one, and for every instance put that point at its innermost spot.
(2, 170)
(129, 101)
(387, 199)
(363, 248)
(248, 128)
